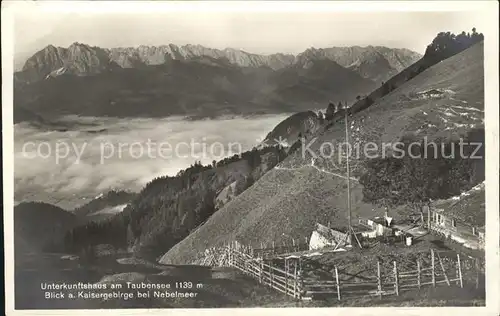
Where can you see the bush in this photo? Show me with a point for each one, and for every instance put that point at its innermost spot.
(447, 44)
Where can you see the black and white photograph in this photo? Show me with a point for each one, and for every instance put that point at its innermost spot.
(214, 155)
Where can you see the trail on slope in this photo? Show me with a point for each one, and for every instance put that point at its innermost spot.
(319, 169)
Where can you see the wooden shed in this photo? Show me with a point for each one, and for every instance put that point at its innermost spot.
(461, 218)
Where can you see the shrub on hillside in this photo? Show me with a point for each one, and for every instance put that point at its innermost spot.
(406, 180)
(447, 44)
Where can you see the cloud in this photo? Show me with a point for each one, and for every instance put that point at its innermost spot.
(40, 175)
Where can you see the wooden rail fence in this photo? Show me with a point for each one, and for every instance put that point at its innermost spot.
(288, 276)
(273, 249)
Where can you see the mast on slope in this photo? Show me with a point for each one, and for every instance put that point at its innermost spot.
(350, 231)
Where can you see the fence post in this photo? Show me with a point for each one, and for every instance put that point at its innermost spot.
(233, 254)
(246, 266)
(429, 218)
(460, 270)
(476, 262)
(396, 278)
(379, 279)
(301, 283)
(419, 277)
(444, 271)
(286, 276)
(433, 267)
(338, 283)
(296, 279)
(226, 256)
(271, 273)
(261, 269)
(236, 258)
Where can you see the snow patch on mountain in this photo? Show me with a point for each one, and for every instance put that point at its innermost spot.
(476, 188)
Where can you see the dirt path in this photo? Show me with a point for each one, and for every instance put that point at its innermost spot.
(319, 169)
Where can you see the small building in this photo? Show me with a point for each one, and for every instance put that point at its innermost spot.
(460, 218)
(377, 227)
(324, 236)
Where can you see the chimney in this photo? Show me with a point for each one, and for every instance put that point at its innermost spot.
(387, 218)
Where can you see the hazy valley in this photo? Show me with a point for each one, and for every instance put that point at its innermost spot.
(93, 162)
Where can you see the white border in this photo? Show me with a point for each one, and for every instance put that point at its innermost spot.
(488, 8)
(247, 6)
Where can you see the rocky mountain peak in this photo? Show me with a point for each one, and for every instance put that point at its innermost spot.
(82, 59)
(387, 61)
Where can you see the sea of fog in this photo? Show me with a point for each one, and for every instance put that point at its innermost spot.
(71, 166)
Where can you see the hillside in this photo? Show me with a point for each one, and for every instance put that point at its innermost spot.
(298, 124)
(167, 209)
(198, 88)
(318, 81)
(104, 206)
(443, 102)
(40, 226)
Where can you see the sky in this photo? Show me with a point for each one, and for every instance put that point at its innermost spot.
(257, 32)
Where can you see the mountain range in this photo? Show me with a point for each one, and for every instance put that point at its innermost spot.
(83, 59)
(195, 81)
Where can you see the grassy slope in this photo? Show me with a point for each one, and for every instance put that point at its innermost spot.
(285, 204)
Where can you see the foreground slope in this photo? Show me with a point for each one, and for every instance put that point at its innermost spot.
(445, 101)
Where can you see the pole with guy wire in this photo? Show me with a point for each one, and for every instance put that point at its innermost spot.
(350, 231)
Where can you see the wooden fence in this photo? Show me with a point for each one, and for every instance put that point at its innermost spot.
(288, 276)
(267, 251)
(283, 279)
(386, 282)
